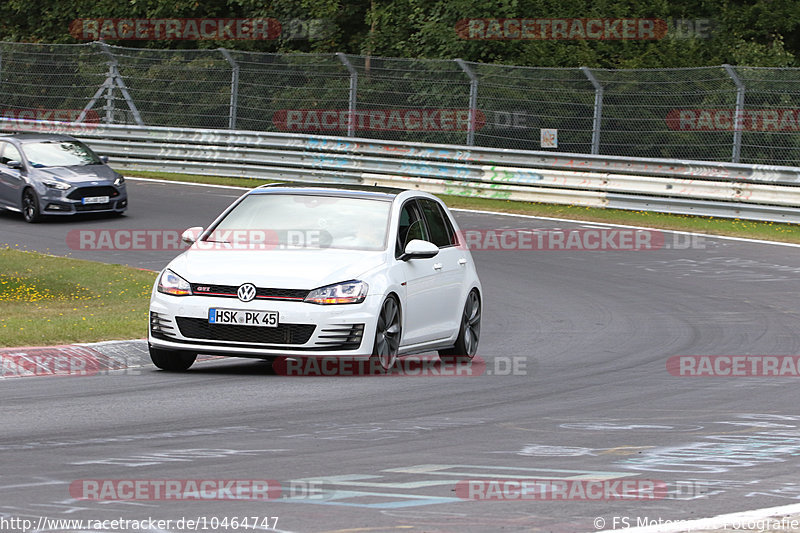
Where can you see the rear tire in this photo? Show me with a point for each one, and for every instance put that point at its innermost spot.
(172, 360)
(30, 206)
(468, 334)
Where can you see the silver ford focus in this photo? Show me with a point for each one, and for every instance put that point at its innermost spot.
(47, 174)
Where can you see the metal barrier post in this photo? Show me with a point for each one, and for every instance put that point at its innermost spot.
(351, 106)
(473, 100)
(598, 109)
(109, 107)
(234, 88)
(738, 121)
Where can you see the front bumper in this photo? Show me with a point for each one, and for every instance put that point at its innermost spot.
(71, 201)
(310, 330)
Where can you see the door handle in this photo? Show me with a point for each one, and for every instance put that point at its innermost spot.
(437, 266)
(462, 261)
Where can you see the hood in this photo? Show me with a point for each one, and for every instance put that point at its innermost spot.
(78, 174)
(286, 269)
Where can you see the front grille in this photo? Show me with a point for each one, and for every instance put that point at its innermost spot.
(229, 291)
(83, 192)
(93, 207)
(200, 328)
(345, 337)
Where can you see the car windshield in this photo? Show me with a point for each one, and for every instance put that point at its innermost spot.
(306, 221)
(59, 154)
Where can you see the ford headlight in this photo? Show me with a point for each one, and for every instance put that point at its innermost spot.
(58, 185)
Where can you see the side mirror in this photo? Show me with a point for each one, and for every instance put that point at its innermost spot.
(104, 159)
(419, 249)
(14, 164)
(191, 235)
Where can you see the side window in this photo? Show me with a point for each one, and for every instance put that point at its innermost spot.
(410, 226)
(9, 152)
(441, 231)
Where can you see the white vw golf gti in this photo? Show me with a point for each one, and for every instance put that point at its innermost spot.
(311, 271)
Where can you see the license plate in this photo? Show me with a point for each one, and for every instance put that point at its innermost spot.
(240, 317)
(95, 200)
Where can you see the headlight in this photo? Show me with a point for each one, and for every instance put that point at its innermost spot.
(60, 185)
(171, 283)
(119, 181)
(349, 292)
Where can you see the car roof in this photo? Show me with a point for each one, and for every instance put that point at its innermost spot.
(336, 189)
(35, 137)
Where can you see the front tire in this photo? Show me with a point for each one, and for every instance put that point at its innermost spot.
(468, 334)
(387, 334)
(172, 360)
(30, 206)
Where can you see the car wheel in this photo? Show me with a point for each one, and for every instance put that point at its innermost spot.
(30, 206)
(387, 334)
(468, 334)
(172, 360)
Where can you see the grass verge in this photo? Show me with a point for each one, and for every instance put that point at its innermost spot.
(50, 300)
(771, 231)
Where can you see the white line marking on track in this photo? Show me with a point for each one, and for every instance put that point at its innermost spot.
(213, 185)
(40, 484)
(609, 224)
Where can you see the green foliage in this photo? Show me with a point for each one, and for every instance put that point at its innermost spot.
(708, 32)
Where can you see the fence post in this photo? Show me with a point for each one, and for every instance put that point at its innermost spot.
(232, 112)
(738, 121)
(473, 100)
(109, 107)
(351, 105)
(115, 79)
(598, 109)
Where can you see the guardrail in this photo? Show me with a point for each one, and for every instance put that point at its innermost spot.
(755, 192)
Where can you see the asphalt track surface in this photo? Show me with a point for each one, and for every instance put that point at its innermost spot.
(591, 332)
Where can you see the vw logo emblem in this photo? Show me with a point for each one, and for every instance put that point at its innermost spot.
(246, 292)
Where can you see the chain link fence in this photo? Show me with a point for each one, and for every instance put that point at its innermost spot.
(721, 113)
